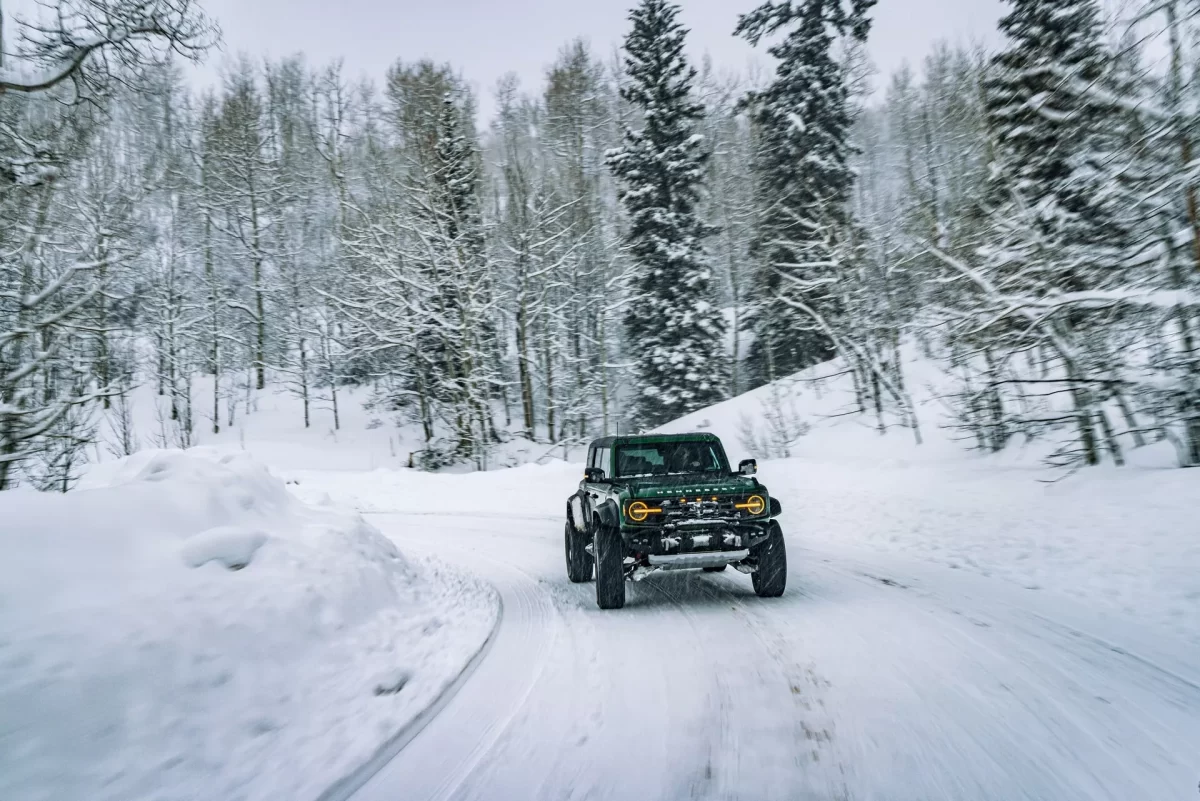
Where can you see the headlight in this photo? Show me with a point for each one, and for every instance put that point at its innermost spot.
(755, 505)
(638, 511)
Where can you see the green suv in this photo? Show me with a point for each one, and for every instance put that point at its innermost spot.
(670, 502)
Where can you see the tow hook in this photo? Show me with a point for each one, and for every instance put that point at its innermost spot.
(640, 572)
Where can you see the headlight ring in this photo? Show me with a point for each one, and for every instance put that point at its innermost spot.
(755, 505)
(638, 511)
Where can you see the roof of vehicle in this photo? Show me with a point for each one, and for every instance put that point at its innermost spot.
(653, 439)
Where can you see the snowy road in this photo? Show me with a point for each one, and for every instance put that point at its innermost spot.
(870, 679)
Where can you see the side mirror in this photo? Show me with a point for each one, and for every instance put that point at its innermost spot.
(748, 467)
(593, 475)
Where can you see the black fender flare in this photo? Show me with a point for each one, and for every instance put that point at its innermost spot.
(608, 515)
(580, 525)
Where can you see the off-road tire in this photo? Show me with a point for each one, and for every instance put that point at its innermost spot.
(771, 555)
(610, 568)
(579, 561)
(715, 569)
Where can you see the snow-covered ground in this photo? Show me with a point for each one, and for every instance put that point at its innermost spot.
(182, 627)
(872, 678)
(1124, 541)
(270, 425)
(956, 627)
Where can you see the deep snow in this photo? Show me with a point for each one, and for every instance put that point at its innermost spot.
(956, 627)
(1121, 540)
(184, 628)
(873, 678)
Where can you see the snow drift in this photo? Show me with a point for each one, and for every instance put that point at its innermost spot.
(184, 628)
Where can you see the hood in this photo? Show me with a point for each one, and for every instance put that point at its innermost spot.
(668, 486)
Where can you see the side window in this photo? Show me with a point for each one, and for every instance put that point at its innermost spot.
(591, 460)
(604, 461)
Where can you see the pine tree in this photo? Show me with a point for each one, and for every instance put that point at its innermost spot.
(672, 325)
(802, 169)
(1053, 203)
(1050, 132)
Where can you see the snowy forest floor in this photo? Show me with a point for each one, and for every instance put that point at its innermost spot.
(1049, 667)
(1122, 540)
(956, 627)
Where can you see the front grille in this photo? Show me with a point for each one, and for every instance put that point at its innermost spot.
(699, 509)
(692, 509)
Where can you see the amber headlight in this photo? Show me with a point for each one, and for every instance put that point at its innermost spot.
(638, 511)
(755, 505)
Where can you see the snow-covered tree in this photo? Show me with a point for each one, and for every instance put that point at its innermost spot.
(249, 185)
(730, 204)
(575, 133)
(673, 324)
(68, 217)
(1055, 230)
(804, 178)
(92, 45)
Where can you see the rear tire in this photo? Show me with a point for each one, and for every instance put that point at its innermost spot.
(579, 561)
(771, 577)
(715, 569)
(610, 568)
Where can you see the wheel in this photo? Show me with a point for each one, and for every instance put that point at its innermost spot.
(771, 577)
(579, 561)
(715, 569)
(610, 568)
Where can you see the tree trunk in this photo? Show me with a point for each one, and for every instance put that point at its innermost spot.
(1110, 439)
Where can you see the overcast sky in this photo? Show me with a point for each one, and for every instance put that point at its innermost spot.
(487, 38)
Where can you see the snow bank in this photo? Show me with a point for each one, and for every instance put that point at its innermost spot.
(185, 628)
(1122, 543)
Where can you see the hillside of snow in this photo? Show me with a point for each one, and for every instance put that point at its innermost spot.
(269, 424)
(1125, 540)
(1120, 540)
(182, 627)
(195, 624)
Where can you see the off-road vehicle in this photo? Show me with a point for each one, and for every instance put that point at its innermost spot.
(670, 502)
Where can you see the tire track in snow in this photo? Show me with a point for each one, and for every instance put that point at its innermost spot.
(351, 784)
(1019, 701)
(909, 691)
(817, 767)
(768, 765)
(476, 718)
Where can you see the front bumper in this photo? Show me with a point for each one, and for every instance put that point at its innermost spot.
(685, 561)
(696, 537)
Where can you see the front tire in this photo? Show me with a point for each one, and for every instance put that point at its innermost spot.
(610, 568)
(771, 577)
(579, 561)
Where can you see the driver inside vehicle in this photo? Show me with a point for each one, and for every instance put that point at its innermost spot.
(690, 457)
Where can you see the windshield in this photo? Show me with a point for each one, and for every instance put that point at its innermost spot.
(670, 459)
